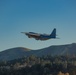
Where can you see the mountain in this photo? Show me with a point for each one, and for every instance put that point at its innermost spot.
(14, 53)
(69, 49)
(20, 52)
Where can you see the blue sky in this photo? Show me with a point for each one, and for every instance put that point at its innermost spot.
(39, 16)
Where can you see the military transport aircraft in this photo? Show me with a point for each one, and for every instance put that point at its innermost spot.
(41, 37)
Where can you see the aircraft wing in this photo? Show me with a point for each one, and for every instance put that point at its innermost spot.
(32, 35)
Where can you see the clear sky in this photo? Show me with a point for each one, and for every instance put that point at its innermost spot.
(39, 16)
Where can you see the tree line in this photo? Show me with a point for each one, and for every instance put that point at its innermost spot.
(45, 65)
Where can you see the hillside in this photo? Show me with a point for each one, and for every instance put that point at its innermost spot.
(20, 52)
(14, 53)
(69, 49)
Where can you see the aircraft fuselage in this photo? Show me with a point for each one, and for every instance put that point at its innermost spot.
(38, 36)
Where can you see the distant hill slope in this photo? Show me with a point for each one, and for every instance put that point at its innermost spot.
(14, 53)
(69, 49)
(20, 52)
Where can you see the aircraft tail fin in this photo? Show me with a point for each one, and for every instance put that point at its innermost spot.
(53, 34)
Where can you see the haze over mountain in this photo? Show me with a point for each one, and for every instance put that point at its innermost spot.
(19, 52)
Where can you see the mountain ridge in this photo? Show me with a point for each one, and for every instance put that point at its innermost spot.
(19, 52)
